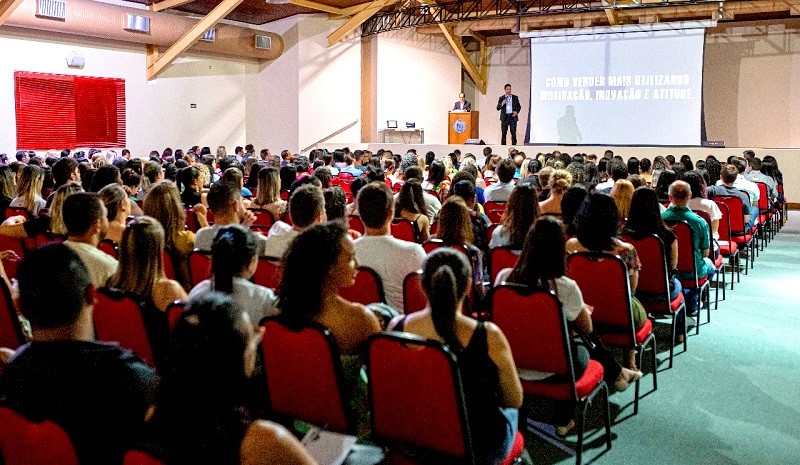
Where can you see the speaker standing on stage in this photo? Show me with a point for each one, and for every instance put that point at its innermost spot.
(509, 108)
(462, 103)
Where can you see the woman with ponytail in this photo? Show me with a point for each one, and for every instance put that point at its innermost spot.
(492, 390)
(234, 258)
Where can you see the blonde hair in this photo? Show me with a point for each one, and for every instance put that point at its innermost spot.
(56, 215)
(140, 257)
(163, 203)
(622, 193)
(30, 186)
(269, 186)
(560, 181)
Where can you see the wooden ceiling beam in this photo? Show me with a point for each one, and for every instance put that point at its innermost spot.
(6, 8)
(319, 7)
(357, 20)
(167, 4)
(159, 61)
(478, 76)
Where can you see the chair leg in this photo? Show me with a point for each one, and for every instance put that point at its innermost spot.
(724, 284)
(654, 361)
(685, 330)
(639, 353)
(708, 305)
(579, 446)
(716, 294)
(607, 416)
(674, 330)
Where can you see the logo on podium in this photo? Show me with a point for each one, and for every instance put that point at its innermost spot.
(460, 126)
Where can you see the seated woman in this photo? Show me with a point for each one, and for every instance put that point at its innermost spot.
(596, 230)
(269, 193)
(191, 182)
(570, 204)
(234, 259)
(542, 266)
(492, 389)
(320, 262)
(559, 182)
(29, 190)
(455, 230)
(621, 192)
(665, 178)
(644, 220)
(118, 208)
(57, 225)
(520, 214)
(700, 202)
(164, 204)
(437, 182)
(411, 206)
(201, 416)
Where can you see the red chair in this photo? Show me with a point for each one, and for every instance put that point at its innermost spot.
(199, 266)
(396, 187)
(191, 220)
(368, 288)
(354, 222)
(268, 273)
(719, 262)
(137, 457)
(495, 215)
(18, 211)
(24, 442)
(501, 258)
(168, 264)
(284, 194)
(39, 240)
(109, 247)
(432, 244)
(744, 239)
(174, 312)
(492, 205)
(728, 248)
(305, 379)
(118, 318)
(11, 334)
(686, 266)
(18, 246)
(536, 330)
(404, 230)
(414, 298)
(765, 214)
(610, 296)
(417, 400)
(434, 227)
(653, 287)
(264, 218)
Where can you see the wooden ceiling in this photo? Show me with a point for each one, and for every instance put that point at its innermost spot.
(256, 11)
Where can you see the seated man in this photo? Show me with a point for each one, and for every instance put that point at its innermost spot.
(500, 191)
(679, 195)
(225, 202)
(306, 208)
(726, 188)
(743, 184)
(393, 259)
(86, 222)
(98, 392)
(754, 174)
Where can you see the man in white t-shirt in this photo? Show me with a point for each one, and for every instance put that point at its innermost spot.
(225, 202)
(501, 191)
(85, 219)
(306, 208)
(393, 259)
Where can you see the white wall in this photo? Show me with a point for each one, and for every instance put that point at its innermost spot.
(418, 79)
(158, 113)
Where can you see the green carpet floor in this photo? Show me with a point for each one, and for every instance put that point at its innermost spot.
(733, 398)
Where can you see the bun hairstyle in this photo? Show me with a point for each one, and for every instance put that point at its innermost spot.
(560, 181)
(445, 278)
(234, 248)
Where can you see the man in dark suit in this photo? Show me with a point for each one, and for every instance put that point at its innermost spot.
(509, 108)
(462, 103)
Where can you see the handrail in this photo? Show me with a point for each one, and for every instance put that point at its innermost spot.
(334, 133)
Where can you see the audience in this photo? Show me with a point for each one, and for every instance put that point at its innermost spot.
(98, 392)
(57, 225)
(493, 392)
(306, 208)
(455, 230)
(501, 190)
(234, 261)
(118, 208)
(432, 202)
(743, 184)
(225, 202)
(755, 174)
(571, 202)
(29, 190)
(726, 188)
(410, 205)
(699, 201)
(87, 223)
(520, 214)
(622, 192)
(559, 182)
(392, 259)
(269, 190)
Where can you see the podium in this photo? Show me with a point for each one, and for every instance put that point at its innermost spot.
(463, 125)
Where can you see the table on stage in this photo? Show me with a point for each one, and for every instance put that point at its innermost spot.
(403, 136)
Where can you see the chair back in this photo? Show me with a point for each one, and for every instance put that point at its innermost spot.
(685, 240)
(534, 325)
(191, 220)
(414, 298)
(109, 247)
(118, 318)
(404, 230)
(174, 312)
(368, 288)
(199, 266)
(39, 240)
(18, 211)
(653, 256)
(763, 199)
(23, 442)
(137, 457)
(264, 218)
(432, 244)
(305, 380)
(495, 215)
(416, 395)
(493, 205)
(603, 281)
(736, 216)
(11, 335)
(269, 272)
(724, 228)
(501, 258)
(168, 264)
(354, 222)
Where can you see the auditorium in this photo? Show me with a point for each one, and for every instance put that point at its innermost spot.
(409, 232)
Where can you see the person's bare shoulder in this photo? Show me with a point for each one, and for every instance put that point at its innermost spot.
(269, 443)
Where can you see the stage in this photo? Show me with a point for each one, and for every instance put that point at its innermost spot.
(788, 159)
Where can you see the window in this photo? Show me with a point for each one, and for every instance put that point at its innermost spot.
(60, 111)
